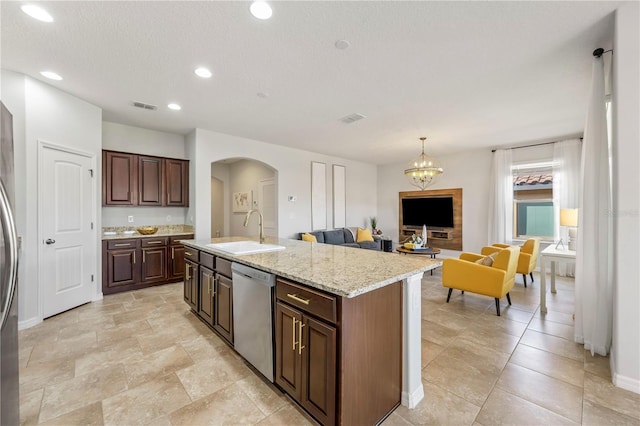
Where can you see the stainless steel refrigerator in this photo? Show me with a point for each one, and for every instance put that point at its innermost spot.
(9, 400)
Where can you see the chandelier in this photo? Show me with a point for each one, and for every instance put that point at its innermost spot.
(423, 170)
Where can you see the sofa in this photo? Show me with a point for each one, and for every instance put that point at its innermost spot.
(344, 237)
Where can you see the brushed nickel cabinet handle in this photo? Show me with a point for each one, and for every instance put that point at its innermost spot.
(154, 242)
(144, 256)
(188, 253)
(134, 257)
(122, 245)
(186, 272)
(173, 253)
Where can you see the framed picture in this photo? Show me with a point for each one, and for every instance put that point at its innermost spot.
(241, 202)
(339, 196)
(318, 195)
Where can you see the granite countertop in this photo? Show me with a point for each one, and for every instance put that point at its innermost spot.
(123, 232)
(343, 271)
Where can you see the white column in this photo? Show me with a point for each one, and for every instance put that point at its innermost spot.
(412, 390)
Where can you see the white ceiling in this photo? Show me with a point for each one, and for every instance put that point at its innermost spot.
(464, 74)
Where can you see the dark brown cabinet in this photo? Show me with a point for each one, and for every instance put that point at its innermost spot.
(177, 182)
(306, 355)
(150, 182)
(223, 307)
(129, 264)
(144, 180)
(328, 346)
(191, 271)
(119, 179)
(207, 293)
(210, 294)
(176, 259)
(122, 268)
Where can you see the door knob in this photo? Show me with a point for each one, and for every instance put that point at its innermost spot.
(49, 241)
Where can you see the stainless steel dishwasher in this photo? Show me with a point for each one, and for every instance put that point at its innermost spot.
(252, 316)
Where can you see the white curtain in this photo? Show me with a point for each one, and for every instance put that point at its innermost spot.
(593, 291)
(501, 199)
(566, 189)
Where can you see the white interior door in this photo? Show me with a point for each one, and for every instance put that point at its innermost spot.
(68, 251)
(217, 208)
(267, 205)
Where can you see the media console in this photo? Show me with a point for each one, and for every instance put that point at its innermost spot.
(439, 209)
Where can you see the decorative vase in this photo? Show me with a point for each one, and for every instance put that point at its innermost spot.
(424, 235)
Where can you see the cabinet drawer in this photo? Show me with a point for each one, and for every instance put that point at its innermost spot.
(121, 244)
(154, 242)
(319, 304)
(191, 254)
(207, 260)
(177, 239)
(223, 266)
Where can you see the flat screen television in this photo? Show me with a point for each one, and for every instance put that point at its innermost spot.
(436, 212)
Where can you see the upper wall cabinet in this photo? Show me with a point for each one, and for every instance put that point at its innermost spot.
(143, 180)
(150, 181)
(119, 179)
(177, 182)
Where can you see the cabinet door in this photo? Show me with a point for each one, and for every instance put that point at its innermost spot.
(223, 307)
(177, 182)
(154, 264)
(119, 179)
(191, 284)
(176, 262)
(318, 369)
(288, 361)
(206, 294)
(150, 182)
(122, 267)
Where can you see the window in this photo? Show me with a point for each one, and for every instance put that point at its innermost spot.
(533, 200)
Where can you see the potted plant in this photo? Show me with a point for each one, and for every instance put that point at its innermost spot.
(374, 224)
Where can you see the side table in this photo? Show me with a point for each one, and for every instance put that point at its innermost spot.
(551, 255)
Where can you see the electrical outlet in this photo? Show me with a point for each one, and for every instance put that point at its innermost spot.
(292, 198)
(130, 219)
(168, 218)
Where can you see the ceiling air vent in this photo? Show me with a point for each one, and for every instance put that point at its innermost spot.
(352, 117)
(144, 106)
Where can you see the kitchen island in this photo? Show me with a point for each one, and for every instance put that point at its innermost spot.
(363, 340)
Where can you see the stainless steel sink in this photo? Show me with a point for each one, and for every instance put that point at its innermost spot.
(245, 247)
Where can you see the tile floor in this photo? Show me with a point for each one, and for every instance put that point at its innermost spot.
(142, 358)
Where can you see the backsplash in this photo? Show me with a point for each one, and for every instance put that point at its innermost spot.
(143, 216)
(162, 229)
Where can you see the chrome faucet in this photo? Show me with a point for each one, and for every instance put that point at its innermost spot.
(260, 220)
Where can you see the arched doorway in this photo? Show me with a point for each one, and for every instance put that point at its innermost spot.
(237, 185)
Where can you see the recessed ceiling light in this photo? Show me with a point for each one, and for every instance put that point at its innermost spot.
(342, 44)
(261, 10)
(203, 72)
(174, 107)
(37, 13)
(50, 74)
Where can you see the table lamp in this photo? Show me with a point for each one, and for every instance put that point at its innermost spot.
(569, 218)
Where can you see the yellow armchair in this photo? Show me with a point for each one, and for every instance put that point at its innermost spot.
(526, 261)
(495, 281)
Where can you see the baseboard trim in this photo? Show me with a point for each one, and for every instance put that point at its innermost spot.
(626, 383)
(22, 325)
(412, 399)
